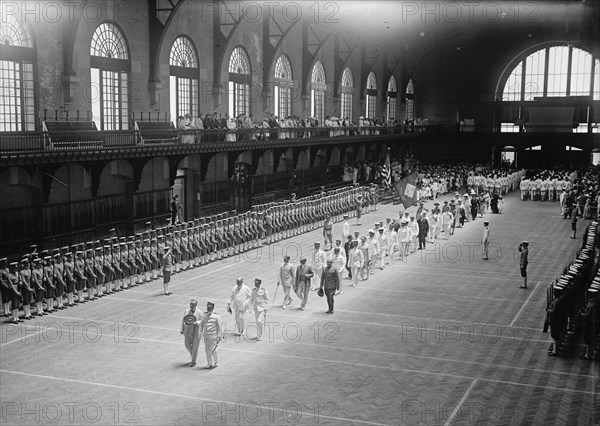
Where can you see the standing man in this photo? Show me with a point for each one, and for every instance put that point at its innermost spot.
(523, 253)
(330, 283)
(211, 328)
(167, 267)
(260, 304)
(318, 261)
(574, 214)
(240, 302)
(286, 279)
(356, 261)
(328, 232)
(190, 328)
(347, 247)
(485, 240)
(338, 261)
(174, 209)
(304, 275)
(346, 228)
(423, 230)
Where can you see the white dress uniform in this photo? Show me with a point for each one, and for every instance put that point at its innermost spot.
(191, 333)
(318, 262)
(356, 260)
(260, 304)
(240, 302)
(211, 329)
(287, 278)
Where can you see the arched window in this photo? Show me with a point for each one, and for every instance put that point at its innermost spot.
(283, 89)
(410, 100)
(110, 68)
(371, 95)
(392, 96)
(17, 101)
(183, 70)
(317, 92)
(347, 90)
(239, 82)
(553, 71)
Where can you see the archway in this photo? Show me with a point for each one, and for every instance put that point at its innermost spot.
(508, 156)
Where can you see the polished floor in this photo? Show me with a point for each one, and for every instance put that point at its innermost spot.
(444, 338)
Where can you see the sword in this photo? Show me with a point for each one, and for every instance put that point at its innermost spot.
(277, 288)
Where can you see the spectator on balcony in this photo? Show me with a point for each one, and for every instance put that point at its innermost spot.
(361, 125)
(185, 124)
(247, 125)
(305, 124)
(329, 123)
(346, 127)
(231, 126)
(282, 123)
(209, 124)
(273, 125)
(264, 125)
(198, 126)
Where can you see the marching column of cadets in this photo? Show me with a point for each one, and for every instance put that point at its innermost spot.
(361, 255)
(579, 194)
(65, 276)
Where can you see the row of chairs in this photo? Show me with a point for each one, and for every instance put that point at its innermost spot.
(572, 303)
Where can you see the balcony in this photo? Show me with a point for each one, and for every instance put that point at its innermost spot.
(18, 148)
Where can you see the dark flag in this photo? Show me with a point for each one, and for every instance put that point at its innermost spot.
(407, 189)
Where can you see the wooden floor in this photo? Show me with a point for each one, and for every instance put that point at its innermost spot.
(443, 338)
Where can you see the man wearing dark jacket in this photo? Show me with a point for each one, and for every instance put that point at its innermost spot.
(423, 230)
(330, 283)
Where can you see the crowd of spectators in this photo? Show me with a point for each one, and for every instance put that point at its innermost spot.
(217, 127)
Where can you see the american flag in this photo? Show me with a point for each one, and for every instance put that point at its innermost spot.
(386, 172)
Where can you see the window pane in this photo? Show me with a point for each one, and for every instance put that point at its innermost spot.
(597, 80)
(581, 73)
(558, 66)
(509, 128)
(11, 118)
(183, 54)
(534, 75)
(108, 42)
(95, 90)
(173, 99)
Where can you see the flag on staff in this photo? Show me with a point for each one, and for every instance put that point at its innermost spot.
(386, 172)
(407, 189)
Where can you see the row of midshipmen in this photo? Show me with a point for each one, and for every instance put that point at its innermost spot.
(497, 183)
(119, 263)
(544, 188)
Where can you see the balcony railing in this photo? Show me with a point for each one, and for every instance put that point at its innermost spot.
(85, 140)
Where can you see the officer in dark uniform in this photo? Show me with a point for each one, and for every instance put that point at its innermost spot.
(4, 289)
(14, 285)
(59, 280)
(48, 280)
(70, 280)
(27, 291)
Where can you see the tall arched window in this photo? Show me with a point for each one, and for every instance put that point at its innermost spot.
(110, 68)
(392, 96)
(371, 95)
(17, 102)
(239, 82)
(346, 92)
(183, 69)
(283, 87)
(317, 92)
(553, 71)
(410, 100)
